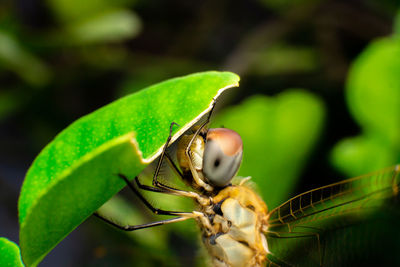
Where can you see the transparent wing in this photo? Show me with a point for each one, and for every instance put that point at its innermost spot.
(301, 223)
(358, 194)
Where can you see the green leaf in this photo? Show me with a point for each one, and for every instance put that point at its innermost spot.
(68, 11)
(361, 154)
(75, 174)
(10, 255)
(373, 89)
(283, 59)
(108, 26)
(373, 97)
(278, 135)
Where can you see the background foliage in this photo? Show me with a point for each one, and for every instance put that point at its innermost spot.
(60, 60)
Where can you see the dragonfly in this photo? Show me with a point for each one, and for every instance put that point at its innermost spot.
(235, 223)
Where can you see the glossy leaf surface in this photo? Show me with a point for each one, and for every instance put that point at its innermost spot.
(75, 173)
(10, 255)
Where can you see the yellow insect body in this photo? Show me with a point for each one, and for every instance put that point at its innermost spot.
(235, 222)
(233, 230)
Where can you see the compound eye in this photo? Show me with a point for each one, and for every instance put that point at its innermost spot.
(222, 156)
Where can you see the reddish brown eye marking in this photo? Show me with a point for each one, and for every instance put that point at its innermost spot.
(229, 140)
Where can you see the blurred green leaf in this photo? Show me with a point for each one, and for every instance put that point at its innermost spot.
(373, 96)
(94, 21)
(68, 11)
(282, 59)
(373, 89)
(16, 58)
(278, 135)
(353, 155)
(75, 174)
(114, 25)
(10, 255)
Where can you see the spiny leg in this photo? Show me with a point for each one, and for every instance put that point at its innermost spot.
(140, 226)
(156, 183)
(172, 164)
(170, 191)
(165, 188)
(160, 187)
(148, 204)
(173, 191)
(194, 214)
(184, 215)
(200, 182)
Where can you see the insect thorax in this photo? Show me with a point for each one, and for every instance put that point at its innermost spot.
(196, 155)
(232, 228)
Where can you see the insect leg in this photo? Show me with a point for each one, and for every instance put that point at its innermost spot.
(140, 226)
(183, 215)
(147, 204)
(196, 177)
(169, 190)
(156, 183)
(172, 164)
(160, 185)
(165, 188)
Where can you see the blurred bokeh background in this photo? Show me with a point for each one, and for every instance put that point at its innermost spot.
(319, 97)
